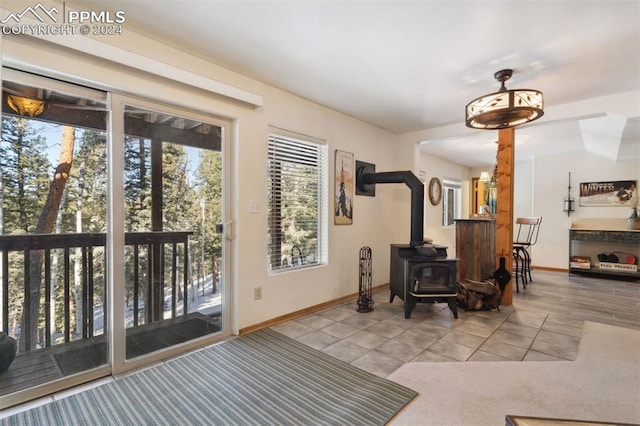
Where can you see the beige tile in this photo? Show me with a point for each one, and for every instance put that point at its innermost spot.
(317, 339)
(447, 321)
(377, 363)
(533, 319)
(511, 339)
(564, 320)
(399, 322)
(384, 329)
(378, 314)
(345, 351)
(415, 338)
(359, 321)
(464, 339)
(539, 356)
(493, 315)
(430, 356)
(292, 329)
(451, 350)
(515, 353)
(561, 339)
(367, 339)
(485, 356)
(478, 327)
(428, 326)
(337, 314)
(399, 350)
(340, 330)
(315, 321)
(569, 330)
(520, 330)
(567, 352)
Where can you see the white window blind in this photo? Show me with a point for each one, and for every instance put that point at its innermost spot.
(297, 172)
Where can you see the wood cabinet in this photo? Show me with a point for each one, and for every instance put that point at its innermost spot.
(594, 239)
(476, 248)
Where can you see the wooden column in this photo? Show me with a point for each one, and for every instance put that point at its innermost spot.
(504, 216)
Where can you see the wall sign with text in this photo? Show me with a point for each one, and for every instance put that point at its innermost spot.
(610, 194)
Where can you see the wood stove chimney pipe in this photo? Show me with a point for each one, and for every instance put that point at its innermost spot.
(416, 186)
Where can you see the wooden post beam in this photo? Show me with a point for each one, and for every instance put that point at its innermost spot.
(504, 216)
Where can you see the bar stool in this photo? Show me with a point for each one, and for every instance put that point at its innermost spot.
(527, 236)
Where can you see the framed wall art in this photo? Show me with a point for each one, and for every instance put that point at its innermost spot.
(609, 193)
(343, 193)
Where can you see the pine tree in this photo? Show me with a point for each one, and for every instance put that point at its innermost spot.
(25, 171)
(46, 221)
(209, 189)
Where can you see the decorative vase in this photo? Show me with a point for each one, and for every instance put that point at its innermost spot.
(633, 221)
(501, 275)
(8, 349)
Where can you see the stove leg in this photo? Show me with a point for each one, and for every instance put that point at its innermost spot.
(392, 296)
(408, 307)
(451, 301)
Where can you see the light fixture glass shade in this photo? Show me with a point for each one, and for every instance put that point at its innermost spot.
(25, 106)
(504, 109)
(484, 177)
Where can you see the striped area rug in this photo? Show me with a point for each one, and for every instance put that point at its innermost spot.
(263, 378)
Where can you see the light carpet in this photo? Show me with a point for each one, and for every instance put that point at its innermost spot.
(263, 378)
(602, 384)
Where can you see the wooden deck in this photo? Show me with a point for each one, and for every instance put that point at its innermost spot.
(58, 361)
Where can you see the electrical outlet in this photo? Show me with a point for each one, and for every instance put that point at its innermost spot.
(257, 293)
(254, 207)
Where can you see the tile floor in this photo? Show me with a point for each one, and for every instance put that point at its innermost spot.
(382, 340)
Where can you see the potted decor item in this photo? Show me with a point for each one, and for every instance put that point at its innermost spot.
(8, 349)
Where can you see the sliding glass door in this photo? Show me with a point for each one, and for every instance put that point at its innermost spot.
(173, 253)
(111, 247)
(53, 283)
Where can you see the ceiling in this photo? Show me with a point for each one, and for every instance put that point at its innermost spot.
(407, 66)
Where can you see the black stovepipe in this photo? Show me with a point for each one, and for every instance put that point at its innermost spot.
(417, 198)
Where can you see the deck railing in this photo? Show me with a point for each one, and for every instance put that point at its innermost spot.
(147, 257)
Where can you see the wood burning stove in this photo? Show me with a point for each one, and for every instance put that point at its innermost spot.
(419, 272)
(419, 277)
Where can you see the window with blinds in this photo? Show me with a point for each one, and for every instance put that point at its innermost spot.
(297, 226)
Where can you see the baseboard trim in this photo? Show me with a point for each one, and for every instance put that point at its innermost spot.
(306, 311)
(547, 268)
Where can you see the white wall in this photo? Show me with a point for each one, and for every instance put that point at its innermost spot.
(437, 167)
(284, 293)
(549, 177)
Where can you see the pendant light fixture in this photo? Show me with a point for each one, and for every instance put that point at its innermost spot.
(25, 106)
(504, 108)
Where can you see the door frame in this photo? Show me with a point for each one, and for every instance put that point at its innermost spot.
(115, 231)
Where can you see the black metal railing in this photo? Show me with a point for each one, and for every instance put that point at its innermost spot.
(147, 255)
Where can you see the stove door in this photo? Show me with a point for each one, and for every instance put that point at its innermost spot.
(433, 278)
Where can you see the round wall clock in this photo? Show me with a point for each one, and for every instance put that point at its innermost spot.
(435, 191)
